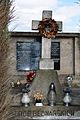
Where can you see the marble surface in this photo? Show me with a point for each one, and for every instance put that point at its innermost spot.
(58, 117)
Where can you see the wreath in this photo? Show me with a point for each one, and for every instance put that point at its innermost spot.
(48, 28)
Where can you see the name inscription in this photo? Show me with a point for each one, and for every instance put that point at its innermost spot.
(33, 113)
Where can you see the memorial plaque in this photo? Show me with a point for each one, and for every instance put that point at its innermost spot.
(23, 46)
(55, 50)
(28, 55)
(35, 49)
(55, 54)
(23, 60)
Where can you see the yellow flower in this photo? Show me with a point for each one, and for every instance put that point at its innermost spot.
(38, 95)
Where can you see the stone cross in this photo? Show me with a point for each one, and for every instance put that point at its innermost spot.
(46, 62)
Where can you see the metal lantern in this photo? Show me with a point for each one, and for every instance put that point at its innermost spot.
(51, 96)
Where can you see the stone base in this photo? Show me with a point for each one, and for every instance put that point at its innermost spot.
(46, 63)
(42, 82)
(44, 113)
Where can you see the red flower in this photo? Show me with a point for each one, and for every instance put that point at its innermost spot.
(30, 76)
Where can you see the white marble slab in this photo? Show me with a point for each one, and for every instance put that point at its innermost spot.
(46, 63)
(57, 118)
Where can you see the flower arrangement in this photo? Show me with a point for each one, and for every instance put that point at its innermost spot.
(48, 28)
(38, 95)
(30, 76)
(29, 79)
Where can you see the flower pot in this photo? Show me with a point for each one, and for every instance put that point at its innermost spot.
(38, 103)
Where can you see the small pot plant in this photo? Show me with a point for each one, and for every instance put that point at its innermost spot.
(38, 97)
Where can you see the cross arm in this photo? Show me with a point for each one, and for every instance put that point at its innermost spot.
(59, 23)
(35, 24)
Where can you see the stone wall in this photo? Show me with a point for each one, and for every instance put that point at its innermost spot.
(77, 56)
(69, 52)
(66, 55)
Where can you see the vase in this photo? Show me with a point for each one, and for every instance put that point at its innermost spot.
(25, 99)
(67, 99)
(38, 103)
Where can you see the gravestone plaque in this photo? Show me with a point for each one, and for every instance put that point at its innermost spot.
(55, 54)
(28, 55)
(23, 60)
(55, 50)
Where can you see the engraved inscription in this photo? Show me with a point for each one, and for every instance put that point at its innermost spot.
(55, 50)
(28, 55)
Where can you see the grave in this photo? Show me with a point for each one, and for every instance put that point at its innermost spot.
(46, 74)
